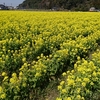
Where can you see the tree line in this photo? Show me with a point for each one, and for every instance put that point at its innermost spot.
(79, 5)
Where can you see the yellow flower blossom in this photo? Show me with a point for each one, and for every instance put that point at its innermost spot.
(83, 98)
(58, 99)
(78, 79)
(20, 74)
(91, 83)
(24, 84)
(78, 58)
(69, 98)
(63, 90)
(64, 74)
(14, 75)
(75, 66)
(3, 73)
(24, 59)
(62, 83)
(98, 73)
(37, 74)
(83, 84)
(78, 97)
(3, 96)
(70, 82)
(59, 87)
(12, 80)
(94, 74)
(5, 78)
(78, 90)
(1, 89)
(86, 80)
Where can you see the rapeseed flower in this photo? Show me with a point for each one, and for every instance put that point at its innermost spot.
(5, 78)
(3, 73)
(37, 75)
(78, 97)
(69, 98)
(83, 84)
(62, 83)
(78, 90)
(63, 91)
(94, 74)
(3, 96)
(64, 74)
(58, 99)
(59, 87)
(1, 89)
(70, 82)
(86, 80)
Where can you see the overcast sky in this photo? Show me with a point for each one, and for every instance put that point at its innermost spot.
(11, 2)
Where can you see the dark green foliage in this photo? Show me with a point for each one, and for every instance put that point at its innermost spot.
(78, 5)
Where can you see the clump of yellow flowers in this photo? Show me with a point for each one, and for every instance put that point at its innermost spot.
(83, 82)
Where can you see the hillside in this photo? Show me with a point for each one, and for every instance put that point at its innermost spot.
(60, 4)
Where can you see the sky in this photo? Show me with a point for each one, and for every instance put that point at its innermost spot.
(13, 3)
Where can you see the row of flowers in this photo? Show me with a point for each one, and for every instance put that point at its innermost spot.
(83, 82)
(35, 48)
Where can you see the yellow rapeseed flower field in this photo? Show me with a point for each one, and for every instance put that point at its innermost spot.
(35, 46)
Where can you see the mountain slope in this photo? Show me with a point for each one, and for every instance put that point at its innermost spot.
(61, 4)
